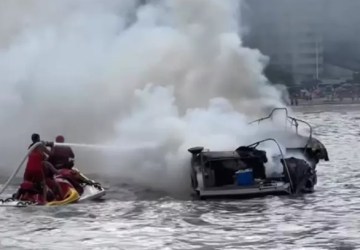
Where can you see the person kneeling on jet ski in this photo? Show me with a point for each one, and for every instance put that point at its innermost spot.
(62, 157)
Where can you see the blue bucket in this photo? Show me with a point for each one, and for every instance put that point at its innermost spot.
(244, 177)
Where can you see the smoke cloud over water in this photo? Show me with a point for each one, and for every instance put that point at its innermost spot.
(170, 72)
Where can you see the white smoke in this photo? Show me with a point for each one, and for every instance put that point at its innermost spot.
(172, 72)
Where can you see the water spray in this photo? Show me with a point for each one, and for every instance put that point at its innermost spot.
(120, 148)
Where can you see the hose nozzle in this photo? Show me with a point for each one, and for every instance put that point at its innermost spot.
(48, 143)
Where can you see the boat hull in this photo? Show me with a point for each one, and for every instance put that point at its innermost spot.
(92, 193)
(242, 173)
(277, 188)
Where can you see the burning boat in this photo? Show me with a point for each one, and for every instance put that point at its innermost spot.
(242, 172)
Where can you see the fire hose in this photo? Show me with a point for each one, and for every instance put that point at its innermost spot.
(7, 183)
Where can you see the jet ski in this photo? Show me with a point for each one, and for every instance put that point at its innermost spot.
(74, 186)
(73, 190)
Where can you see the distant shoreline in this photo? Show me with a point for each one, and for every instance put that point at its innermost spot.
(321, 105)
(324, 101)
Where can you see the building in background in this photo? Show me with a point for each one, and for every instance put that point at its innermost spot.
(290, 33)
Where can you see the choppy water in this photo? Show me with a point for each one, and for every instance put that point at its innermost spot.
(136, 219)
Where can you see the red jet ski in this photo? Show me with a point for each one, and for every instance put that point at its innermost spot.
(75, 187)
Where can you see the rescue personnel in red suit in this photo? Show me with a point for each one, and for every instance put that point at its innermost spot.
(34, 175)
(37, 161)
(62, 157)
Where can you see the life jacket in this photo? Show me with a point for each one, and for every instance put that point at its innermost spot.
(61, 156)
(34, 168)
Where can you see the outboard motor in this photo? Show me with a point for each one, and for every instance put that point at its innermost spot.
(302, 175)
(316, 151)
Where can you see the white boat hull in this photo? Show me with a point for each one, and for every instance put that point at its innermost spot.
(232, 190)
(92, 193)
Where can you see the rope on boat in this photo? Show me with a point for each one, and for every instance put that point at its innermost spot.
(19, 167)
(18, 204)
(6, 200)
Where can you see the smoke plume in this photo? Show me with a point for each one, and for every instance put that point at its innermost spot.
(125, 72)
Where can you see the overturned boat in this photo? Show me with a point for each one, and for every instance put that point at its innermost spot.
(242, 172)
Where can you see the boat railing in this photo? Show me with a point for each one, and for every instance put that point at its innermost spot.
(255, 144)
(270, 115)
(294, 122)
